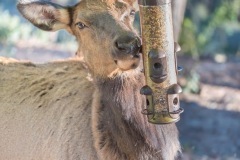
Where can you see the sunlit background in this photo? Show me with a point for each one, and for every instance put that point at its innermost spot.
(210, 41)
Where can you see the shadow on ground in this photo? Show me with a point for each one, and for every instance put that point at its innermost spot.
(209, 133)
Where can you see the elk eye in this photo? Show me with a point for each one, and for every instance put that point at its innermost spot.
(132, 13)
(81, 25)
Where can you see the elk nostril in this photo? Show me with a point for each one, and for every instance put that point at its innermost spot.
(121, 46)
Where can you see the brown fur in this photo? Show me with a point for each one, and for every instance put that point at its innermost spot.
(120, 130)
(45, 111)
(58, 111)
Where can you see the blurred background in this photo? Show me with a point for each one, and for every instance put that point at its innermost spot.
(210, 40)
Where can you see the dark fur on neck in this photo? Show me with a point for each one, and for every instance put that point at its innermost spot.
(119, 128)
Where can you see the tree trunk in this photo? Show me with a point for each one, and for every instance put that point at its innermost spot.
(178, 7)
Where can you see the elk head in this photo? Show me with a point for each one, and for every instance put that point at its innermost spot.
(103, 28)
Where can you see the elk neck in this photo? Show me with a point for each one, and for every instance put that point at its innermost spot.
(121, 122)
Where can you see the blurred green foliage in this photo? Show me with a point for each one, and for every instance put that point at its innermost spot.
(11, 28)
(211, 27)
(193, 83)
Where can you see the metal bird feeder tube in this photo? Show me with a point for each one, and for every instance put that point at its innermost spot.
(160, 63)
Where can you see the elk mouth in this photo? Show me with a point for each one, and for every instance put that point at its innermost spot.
(128, 63)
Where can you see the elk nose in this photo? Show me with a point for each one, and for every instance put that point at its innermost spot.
(128, 45)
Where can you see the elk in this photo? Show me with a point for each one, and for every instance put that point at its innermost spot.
(81, 109)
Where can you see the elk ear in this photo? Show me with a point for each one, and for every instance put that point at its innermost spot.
(45, 15)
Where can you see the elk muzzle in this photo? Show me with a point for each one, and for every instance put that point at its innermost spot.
(127, 49)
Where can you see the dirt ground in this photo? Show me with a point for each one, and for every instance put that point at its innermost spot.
(210, 125)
